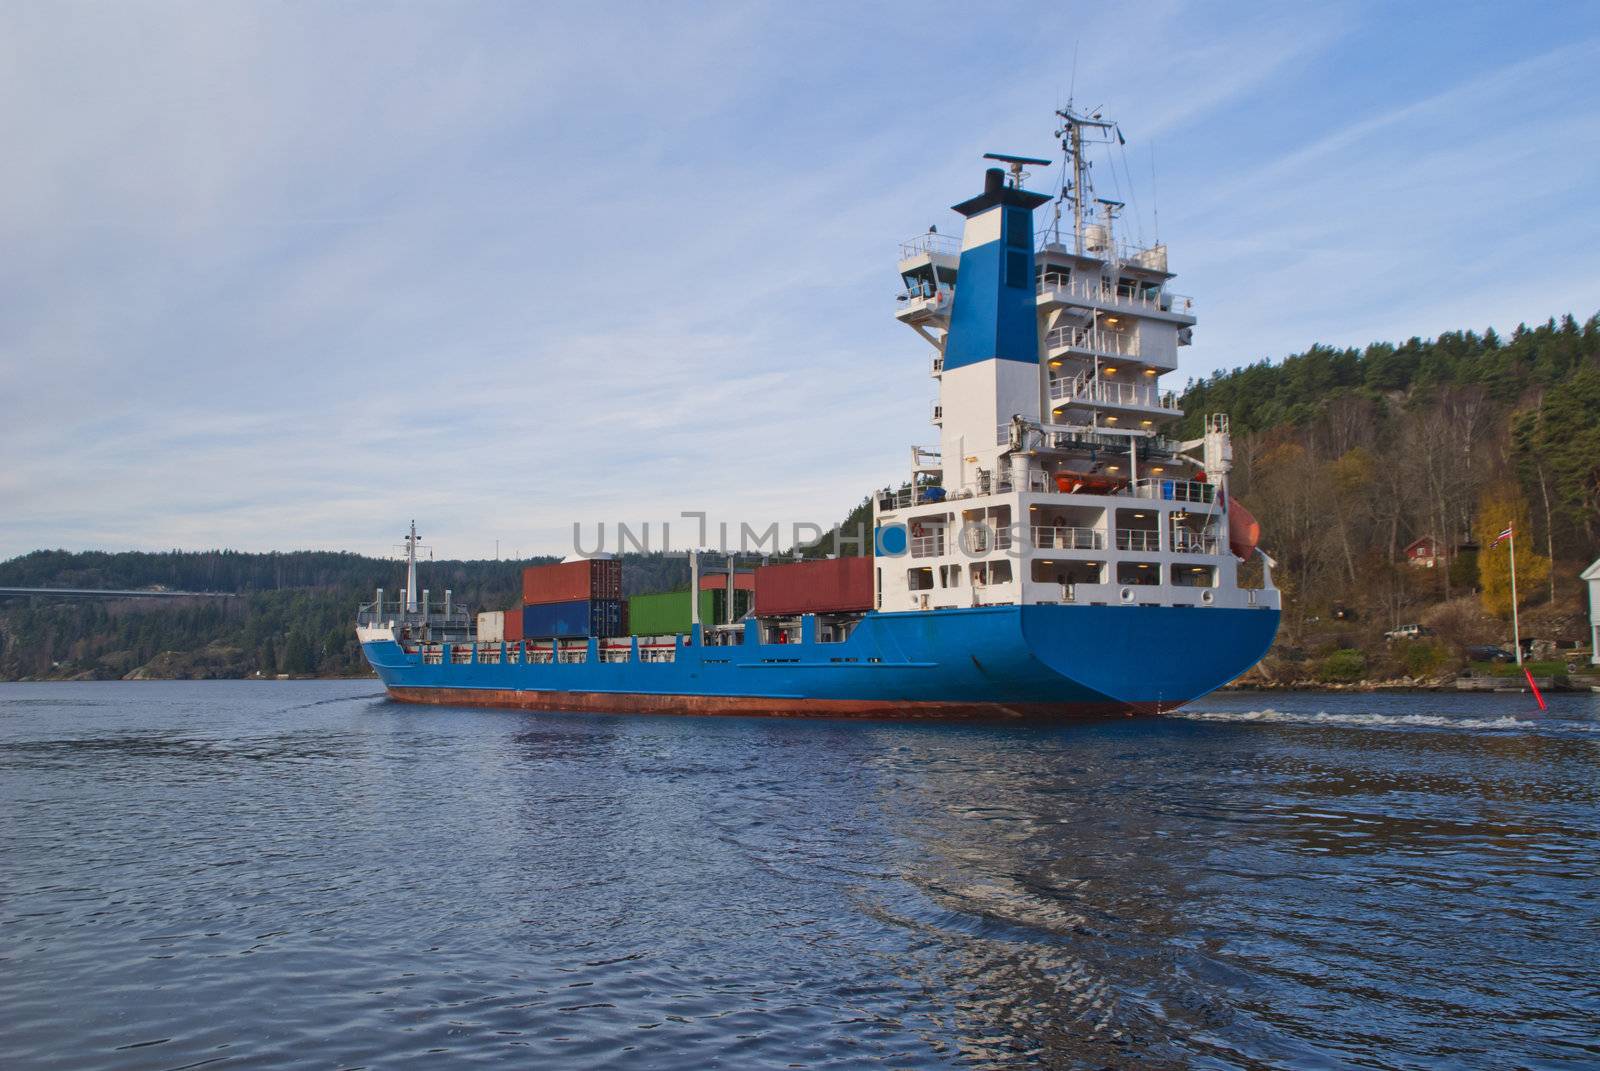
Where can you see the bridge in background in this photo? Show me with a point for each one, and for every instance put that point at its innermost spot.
(103, 593)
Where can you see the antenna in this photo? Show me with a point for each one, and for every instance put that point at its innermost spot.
(1016, 164)
(1071, 131)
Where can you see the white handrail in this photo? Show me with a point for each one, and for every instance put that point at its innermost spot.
(1113, 343)
(1096, 293)
(1138, 539)
(1176, 490)
(1087, 388)
(930, 242)
(1052, 537)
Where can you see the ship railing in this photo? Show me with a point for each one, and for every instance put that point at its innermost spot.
(896, 499)
(994, 483)
(1176, 490)
(929, 546)
(981, 539)
(1089, 389)
(1110, 343)
(1056, 537)
(1192, 543)
(930, 243)
(1138, 539)
(1139, 299)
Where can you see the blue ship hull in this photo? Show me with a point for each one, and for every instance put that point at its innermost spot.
(1037, 661)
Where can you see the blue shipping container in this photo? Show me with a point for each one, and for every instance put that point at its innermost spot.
(585, 617)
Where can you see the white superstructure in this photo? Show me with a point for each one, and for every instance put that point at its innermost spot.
(1055, 479)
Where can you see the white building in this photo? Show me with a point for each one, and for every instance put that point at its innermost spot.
(1592, 575)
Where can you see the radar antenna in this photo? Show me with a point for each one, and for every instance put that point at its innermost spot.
(1017, 164)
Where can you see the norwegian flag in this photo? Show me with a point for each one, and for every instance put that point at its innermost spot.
(1501, 538)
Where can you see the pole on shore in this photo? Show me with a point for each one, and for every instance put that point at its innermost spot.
(1516, 629)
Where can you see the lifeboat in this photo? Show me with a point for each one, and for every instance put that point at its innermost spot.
(1088, 483)
(1244, 531)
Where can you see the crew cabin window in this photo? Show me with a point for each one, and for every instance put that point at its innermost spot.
(1138, 573)
(919, 579)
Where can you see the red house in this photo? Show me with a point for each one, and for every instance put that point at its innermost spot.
(1425, 553)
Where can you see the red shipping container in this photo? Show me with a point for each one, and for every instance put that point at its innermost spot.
(828, 585)
(513, 625)
(586, 578)
(717, 581)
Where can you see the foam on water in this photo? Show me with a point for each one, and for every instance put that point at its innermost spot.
(1385, 721)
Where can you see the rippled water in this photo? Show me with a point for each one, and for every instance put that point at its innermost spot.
(303, 874)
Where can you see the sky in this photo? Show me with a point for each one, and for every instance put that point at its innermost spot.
(285, 275)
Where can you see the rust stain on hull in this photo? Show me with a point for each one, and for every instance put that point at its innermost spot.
(765, 707)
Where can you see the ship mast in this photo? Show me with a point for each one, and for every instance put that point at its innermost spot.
(411, 569)
(1073, 124)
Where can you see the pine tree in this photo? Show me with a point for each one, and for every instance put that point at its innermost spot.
(298, 657)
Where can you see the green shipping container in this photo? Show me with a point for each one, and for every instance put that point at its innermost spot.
(668, 611)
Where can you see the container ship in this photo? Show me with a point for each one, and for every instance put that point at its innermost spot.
(1057, 554)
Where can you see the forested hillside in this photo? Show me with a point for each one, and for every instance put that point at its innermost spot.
(1348, 456)
(291, 612)
(1345, 456)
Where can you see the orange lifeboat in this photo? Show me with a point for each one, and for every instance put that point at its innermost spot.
(1244, 531)
(1087, 483)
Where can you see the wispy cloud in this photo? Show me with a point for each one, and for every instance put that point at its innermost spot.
(288, 276)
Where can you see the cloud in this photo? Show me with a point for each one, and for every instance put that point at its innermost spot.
(290, 276)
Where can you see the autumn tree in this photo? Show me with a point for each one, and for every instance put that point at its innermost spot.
(1503, 506)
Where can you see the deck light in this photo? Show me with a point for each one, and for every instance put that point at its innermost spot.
(1111, 420)
(1149, 371)
(1112, 320)
(1158, 468)
(1109, 370)
(1147, 423)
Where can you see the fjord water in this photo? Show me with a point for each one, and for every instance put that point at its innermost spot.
(304, 874)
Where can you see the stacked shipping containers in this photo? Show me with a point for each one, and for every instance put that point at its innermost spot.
(574, 598)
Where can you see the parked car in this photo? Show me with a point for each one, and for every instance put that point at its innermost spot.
(1489, 654)
(1408, 632)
